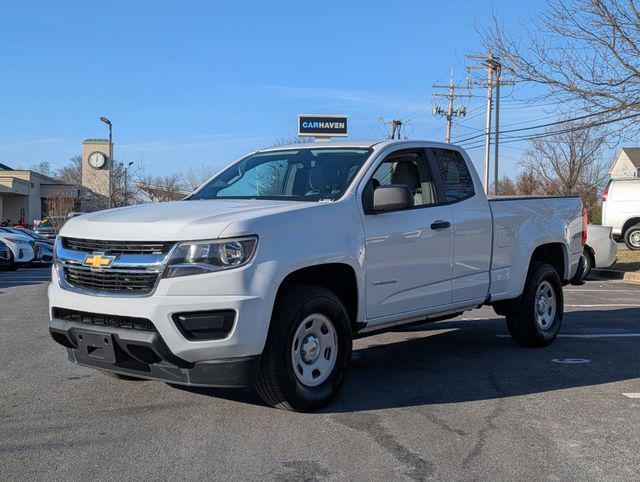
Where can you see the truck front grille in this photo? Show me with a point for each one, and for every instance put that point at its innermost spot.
(98, 319)
(117, 247)
(111, 281)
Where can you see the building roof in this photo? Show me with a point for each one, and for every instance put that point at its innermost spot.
(95, 141)
(633, 153)
(4, 167)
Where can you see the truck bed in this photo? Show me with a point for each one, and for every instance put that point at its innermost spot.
(522, 222)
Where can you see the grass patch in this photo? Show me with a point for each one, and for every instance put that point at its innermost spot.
(628, 260)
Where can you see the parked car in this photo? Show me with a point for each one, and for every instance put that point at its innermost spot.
(600, 250)
(265, 274)
(5, 257)
(621, 210)
(22, 249)
(47, 227)
(44, 246)
(31, 233)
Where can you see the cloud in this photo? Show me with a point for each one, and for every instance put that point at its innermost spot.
(355, 96)
(32, 142)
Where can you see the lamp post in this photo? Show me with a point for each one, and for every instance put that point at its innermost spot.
(126, 168)
(108, 122)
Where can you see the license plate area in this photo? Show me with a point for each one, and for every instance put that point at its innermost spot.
(96, 346)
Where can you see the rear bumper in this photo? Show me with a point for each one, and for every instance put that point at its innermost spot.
(144, 354)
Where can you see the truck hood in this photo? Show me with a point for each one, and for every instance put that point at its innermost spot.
(172, 221)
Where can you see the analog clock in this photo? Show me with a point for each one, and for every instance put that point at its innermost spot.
(97, 160)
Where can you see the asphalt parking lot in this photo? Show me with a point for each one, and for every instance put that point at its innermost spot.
(450, 400)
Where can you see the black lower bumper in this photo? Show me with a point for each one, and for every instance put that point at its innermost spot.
(144, 354)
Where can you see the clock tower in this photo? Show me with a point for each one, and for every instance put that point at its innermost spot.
(95, 166)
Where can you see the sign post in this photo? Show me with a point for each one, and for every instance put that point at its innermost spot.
(322, 127)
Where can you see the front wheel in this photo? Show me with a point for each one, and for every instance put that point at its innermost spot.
(632, 237)
(12, 266)
(308, 350)
(537, 320)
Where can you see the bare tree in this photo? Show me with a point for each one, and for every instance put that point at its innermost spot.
(584, 52)
(507, 187)
(43, 168)
(165, 188)
(72, 172)
(58, 206)
(194, 178)
(527, 185)
(568, 162)
(283, 141)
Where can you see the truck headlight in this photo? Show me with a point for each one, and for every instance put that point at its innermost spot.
(197, 257)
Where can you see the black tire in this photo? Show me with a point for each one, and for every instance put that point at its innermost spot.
(126, 377)
(12, 266)
(632, 237)
(522, 323)
(588, 263)
(277, 383)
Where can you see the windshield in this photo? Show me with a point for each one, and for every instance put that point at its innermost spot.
(299, 175)
(27, 232)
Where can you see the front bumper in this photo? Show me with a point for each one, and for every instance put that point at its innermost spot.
(246, 339)
(144, 354)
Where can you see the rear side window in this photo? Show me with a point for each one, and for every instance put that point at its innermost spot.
(456, 178)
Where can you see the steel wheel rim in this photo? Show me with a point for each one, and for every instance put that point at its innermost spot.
(314, 350)
(545, 305)
(635, 239)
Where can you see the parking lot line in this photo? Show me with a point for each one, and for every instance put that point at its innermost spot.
(607, 305)
(632, 395)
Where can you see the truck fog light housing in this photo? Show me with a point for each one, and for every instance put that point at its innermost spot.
(198, 257)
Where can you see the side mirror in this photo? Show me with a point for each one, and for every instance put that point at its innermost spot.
(392, 197)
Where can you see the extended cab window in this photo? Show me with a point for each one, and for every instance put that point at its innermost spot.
(411, 170)
(456, 178)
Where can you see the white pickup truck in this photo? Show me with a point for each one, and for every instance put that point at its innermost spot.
(264, 275)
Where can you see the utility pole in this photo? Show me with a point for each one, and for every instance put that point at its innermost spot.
(496, 178)
(450, 112)
(494, 68)
(396, 126)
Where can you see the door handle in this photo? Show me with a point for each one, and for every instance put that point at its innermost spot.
(440, 225)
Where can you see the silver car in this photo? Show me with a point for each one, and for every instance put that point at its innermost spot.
(601, 250)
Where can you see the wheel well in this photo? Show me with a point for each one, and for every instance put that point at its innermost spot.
(552, 253)
(339, 278)
(629, 223)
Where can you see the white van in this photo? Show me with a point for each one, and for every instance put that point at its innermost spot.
(621, 210)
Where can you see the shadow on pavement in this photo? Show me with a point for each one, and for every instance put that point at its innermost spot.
(24, 277)
(464, 361)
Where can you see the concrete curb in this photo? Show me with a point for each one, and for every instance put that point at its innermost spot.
(633, 277)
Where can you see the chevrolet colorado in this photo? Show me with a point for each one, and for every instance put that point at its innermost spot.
(265, 274)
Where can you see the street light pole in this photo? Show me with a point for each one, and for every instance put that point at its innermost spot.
(125, 179)
(108, 122)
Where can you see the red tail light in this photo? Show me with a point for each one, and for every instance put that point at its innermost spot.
(605, 193)
(584, 226)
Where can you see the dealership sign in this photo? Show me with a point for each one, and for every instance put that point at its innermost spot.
(316, 125)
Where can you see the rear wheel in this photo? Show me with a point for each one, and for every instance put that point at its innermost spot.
(537, 320)
(632, 237)
(308, 350)
(588, 262)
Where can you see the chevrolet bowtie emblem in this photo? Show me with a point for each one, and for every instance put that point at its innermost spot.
(98, 260)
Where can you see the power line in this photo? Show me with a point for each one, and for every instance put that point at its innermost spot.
(561, 131)
(548, 124)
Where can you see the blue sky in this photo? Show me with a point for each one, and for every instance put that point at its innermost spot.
(194, 83)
